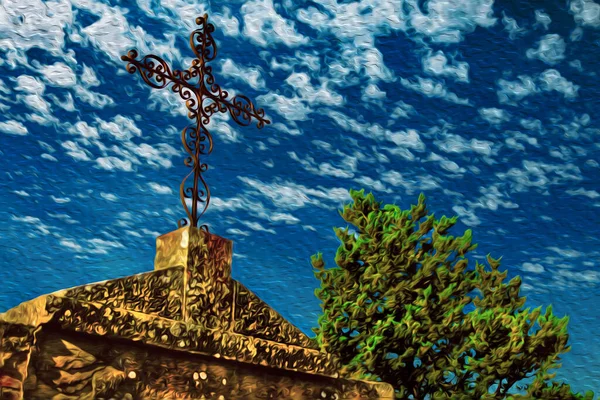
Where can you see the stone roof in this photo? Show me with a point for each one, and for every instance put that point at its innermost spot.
(189, 303)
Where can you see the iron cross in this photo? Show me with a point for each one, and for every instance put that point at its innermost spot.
(203, 97)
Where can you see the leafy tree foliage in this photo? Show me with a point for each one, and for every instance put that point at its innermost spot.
(395, 309)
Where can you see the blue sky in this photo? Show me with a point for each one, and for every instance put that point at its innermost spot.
(487, 107)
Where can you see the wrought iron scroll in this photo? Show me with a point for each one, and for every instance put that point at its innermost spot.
(203, 97)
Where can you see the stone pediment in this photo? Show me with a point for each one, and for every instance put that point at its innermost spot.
(188, 305)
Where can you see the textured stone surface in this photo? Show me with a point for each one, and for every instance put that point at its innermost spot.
(178, 332)
(103, 320)
(157, 293)
(78, 367)
(255, 318)
(209, 295)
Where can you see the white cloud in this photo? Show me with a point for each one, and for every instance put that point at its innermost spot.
(531, 124)
(357, 30)
(48, 157)
(311, 95)
(578, 277)
(289, 195)
(66, 103)
(510, 25)
(226, 132)
(63, 217)
(325, 168)
(447, 164)
(96, 100)
(357, 24)
(466, 216)
(585, 12)
(372, 184)
(396, 151)
(491, 199)
(563, 252)
(576, 34)
(94, 246)
(232, 204)
(291, 108)
(3, 88)
(576, 64)
(372, 94)
(88, 77)
(541, 18)
(29, 84)
(512, 139)
(540, 175)
(286, 129)
(288, 63)
(355, 62)
(252, 206)
(27, 219)
(113, 163)
(237, 232)
(27, 24)
(511, 92)
(552, 80)
(60, 200)
(110, 32)
(264, 26)
(109, 196)
(409, 138)
(494, 116)
(174, 11)
(451, 143)
(437, 64)
(71, 244)
(226, 23)
(13, 128)
(394, 178)
(371, 60)
(550, 49)
(251, 76)
(592, 194)
(402, 110)
(83, 129)
(36, 103)
(158, 155)
(446, 20)
(431, 88)
(113, 34)
(121, 128)
(255, 226)
(44, 119)
(350, 22)
(533, 268)
(76, 151)
(59, 74)
(160, 189)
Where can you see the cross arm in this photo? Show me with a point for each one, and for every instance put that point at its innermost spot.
(156, 72)
(240, 108)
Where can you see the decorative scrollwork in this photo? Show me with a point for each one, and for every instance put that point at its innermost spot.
(202, 99)
(202, 42)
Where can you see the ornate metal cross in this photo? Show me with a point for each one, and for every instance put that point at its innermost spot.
(203, 97)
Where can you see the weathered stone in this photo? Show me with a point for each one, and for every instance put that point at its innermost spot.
(185, 331)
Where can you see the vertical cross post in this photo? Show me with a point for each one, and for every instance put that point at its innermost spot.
(203, 97)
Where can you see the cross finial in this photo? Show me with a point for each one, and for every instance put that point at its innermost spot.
(203, 97)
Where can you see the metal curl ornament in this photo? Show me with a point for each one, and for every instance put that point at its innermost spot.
(203, 98)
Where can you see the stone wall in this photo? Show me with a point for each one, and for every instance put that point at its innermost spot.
(75, 366)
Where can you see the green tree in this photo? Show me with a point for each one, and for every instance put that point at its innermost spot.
(394, 309)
